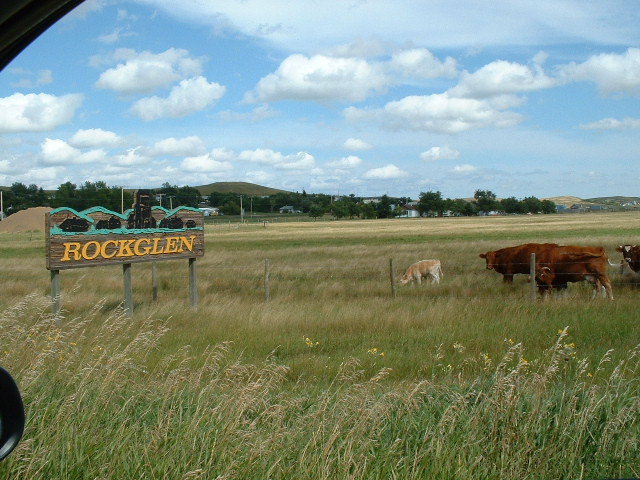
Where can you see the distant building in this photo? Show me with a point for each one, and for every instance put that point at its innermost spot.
(410, 210)
(209, 211)
(289, 209)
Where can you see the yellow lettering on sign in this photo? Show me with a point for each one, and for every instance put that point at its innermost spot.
(85, 250)
(69, 248)
(155, 250)
(172, 245)
(103, 249)
(144, 251)
(125, 248)
(184, 242)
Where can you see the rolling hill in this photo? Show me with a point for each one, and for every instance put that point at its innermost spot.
(244, 188)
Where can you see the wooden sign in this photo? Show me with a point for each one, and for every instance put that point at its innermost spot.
(98, 236)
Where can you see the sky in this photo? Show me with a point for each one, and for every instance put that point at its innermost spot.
(363, 97)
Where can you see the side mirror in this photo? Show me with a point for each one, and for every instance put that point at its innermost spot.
(11, 414)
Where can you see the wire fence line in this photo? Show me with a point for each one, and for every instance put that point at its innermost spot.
(384, 278)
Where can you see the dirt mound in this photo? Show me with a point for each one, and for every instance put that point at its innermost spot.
(24, 221)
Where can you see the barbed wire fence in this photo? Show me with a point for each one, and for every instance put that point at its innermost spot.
(381, 278)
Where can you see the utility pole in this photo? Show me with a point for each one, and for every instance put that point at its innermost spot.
(1, 207)
(241, 211)
(171, 197)
(160, 195)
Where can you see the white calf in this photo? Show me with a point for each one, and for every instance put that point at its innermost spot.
(423, 269)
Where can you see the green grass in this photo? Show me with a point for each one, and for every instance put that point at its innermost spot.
(333, 377)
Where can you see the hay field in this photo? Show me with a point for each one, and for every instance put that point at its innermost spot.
(332, 377)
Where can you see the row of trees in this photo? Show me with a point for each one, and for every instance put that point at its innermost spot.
(89, 194)
(485, 201)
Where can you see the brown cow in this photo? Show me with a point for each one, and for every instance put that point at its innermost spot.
(557, 266)
(631, 254)
(510, 261)
(627, 276)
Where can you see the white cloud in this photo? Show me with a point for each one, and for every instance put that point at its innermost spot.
(190, 96)
(115, 36)
(94, 137)
(37, 112)
(501, 77)
(307, 25)
(385, 173)
(610, 71)
(320, 78)
(297, 161)
(131, 158)
(464, 169)
(85, 8)
(43, 176)
(205, 163)
(357, 144)
(145, 72)
(613, 124)
(441, 113)
(440, 153)
(260, 177)
(420, 62)
(31, 79)
(59, 152)
(179, 147)
(351, 161)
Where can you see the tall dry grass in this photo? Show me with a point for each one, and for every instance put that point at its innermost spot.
(97, 408)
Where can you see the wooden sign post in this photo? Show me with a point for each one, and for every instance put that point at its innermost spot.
(98, 236)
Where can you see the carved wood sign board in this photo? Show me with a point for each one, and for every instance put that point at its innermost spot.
(98, 236)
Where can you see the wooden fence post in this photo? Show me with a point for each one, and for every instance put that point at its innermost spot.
(267, 274)
(128, 291)
(532, 273)
(193, 283)
(55, 291)
(154, 281)
(392, 278)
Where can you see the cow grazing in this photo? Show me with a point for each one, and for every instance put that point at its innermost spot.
(424, 269)
(627, 276)
(510, 261)
(631, 254)
(560, 265)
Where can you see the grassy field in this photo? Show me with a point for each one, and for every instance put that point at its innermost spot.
(333, 376)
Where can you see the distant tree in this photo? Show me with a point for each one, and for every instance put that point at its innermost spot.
(531, 205)
(460, 206)
(430, 202)
(232, 207)
(367, 211)
(67, 196)
(383, 208)
(511, 205)
(316, 210)
(20, 197)
(398, 210)
(340, 209)
(188, 197)
(548, 206)
(485, 200)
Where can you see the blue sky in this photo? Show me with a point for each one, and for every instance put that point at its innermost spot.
(367, 97)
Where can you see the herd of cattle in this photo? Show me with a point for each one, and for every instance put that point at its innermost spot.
(555, 266)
